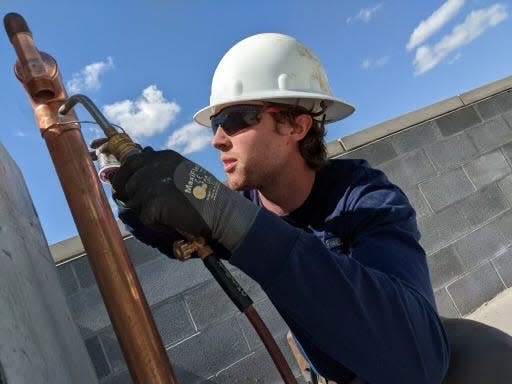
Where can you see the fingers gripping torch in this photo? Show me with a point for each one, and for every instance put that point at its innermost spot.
(110, 152)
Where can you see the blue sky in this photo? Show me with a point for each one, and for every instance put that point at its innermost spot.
(148, 65)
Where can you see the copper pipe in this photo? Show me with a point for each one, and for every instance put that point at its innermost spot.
(123, 296)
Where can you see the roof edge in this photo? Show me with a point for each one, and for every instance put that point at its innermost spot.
(386, 128)
(73, 248)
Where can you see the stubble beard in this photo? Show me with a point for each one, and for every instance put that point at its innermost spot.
(243, 179)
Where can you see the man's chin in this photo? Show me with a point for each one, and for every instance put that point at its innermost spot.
(236, 184)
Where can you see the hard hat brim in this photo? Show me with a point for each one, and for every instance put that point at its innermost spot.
(337, 108)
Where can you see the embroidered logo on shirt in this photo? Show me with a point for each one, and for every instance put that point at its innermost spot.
(333, 242)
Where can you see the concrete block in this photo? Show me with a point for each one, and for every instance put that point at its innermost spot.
(255, 368)
(505, 186)
(486, 90)
(480, 245)
(375, 153)
(475, 288)
(211, 350)
(164, 277)
(112, 350)
(507, 151)
(508, 119)
(204, 309)
(97, 356)
(444, 266)
(409, 170)
(173, 320)
(67, 249)
(504, 100)
(67, 278)
(503, 265)
(488, 108)
(487, 168)
(457, 121)
(88, 311)
(141, 253)
(483, 205)
(119, 378)
(490, 135)
(417, 200)
(438, 230)
(451, 152)
(84, 272)
(504, 225)
(495, 105)
(415, 137)
(445, 305)
(405, 121)
(334, 149)
(272, 319)
(447, 188)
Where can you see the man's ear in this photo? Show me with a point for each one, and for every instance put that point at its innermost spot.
(302, 126)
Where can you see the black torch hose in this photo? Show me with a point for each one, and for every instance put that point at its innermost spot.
(244, 303)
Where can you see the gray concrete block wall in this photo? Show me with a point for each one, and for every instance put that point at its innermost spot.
(457, 172)
(207, 339)
(39, 341)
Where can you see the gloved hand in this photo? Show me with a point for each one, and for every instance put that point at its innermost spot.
(166, 190)
(163, 241)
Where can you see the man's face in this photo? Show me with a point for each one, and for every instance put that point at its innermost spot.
(255, 155)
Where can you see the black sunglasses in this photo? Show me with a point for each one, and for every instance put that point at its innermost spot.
(237, 117)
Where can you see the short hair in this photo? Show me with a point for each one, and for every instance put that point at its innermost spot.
(312, 146)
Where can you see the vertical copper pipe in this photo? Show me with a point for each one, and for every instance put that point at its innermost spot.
(123, 296)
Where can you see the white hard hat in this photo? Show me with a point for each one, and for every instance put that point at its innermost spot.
(272, 67)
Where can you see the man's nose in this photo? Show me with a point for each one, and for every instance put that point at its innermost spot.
(220, 139)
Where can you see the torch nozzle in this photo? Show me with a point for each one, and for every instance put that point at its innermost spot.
(102, 121)
(119, 144)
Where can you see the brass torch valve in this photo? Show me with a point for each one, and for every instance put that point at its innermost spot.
(185, 249)
(111, 150)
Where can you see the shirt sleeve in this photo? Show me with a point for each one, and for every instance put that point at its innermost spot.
(370, 310)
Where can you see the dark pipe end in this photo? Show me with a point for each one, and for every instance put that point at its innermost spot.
(15, 23)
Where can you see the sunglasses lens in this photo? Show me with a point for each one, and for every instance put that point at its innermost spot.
(235, 118)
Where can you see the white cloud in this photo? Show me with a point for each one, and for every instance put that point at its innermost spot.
(190, 138)
(365, 14)
(368, 63)
(145, 116)
(474, 25)
(19, 133)
(434, 22)
(89, 77)
(381, 61)
(454, 58)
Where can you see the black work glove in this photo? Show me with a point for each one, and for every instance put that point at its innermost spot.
(163, 241)
(167, 191)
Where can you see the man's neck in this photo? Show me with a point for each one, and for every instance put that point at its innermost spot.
(289, 193)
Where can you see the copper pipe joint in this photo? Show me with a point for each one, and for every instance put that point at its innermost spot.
(36, 70)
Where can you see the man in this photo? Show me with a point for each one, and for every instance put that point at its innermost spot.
(333, 244)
